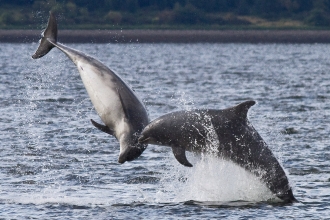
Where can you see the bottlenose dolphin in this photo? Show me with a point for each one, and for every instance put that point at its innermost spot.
(235, 139)
(119, 108)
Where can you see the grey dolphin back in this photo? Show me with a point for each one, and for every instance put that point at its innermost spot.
(125, 108)
(49, 38)
(133, 109)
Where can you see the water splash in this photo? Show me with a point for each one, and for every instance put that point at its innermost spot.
(183, 100)
(211, 179)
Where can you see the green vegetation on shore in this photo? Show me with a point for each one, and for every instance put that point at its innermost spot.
(168, 14)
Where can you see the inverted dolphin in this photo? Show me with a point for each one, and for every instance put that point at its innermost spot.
(121, 111)
(235, 139)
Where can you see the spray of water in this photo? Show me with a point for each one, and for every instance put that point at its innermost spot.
(183, 100)
(211, 179)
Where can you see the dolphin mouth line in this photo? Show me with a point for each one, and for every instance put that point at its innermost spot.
(143, 139)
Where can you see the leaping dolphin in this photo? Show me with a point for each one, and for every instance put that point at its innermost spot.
(119, 108)
(234, 136)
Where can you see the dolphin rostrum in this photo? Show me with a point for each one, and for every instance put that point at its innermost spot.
(119, 108)
(235, 139)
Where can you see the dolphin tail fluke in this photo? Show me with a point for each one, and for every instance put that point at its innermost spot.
(180, 156)
(48, 38)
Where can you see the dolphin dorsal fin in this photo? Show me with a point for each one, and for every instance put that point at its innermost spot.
(180, 156)
(103, 128)
(242, 109)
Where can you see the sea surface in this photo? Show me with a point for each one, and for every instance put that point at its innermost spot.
(55, 165)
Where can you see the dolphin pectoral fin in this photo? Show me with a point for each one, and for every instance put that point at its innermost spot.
(102, 128)
(180, 156)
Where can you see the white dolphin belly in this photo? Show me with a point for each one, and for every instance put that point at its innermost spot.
(103, 96)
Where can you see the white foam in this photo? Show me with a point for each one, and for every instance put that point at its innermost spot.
(211, 179)
(55, 196)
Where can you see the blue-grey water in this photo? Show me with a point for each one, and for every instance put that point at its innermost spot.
(55, 164)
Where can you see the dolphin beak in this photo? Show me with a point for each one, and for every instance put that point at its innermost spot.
(121, 159)
(143, 139)
(131, 153)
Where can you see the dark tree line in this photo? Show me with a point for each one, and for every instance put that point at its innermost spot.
(165, 12)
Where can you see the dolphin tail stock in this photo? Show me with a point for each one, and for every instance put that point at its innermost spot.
(48, 38)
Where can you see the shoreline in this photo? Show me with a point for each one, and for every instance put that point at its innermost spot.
(172, 36)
